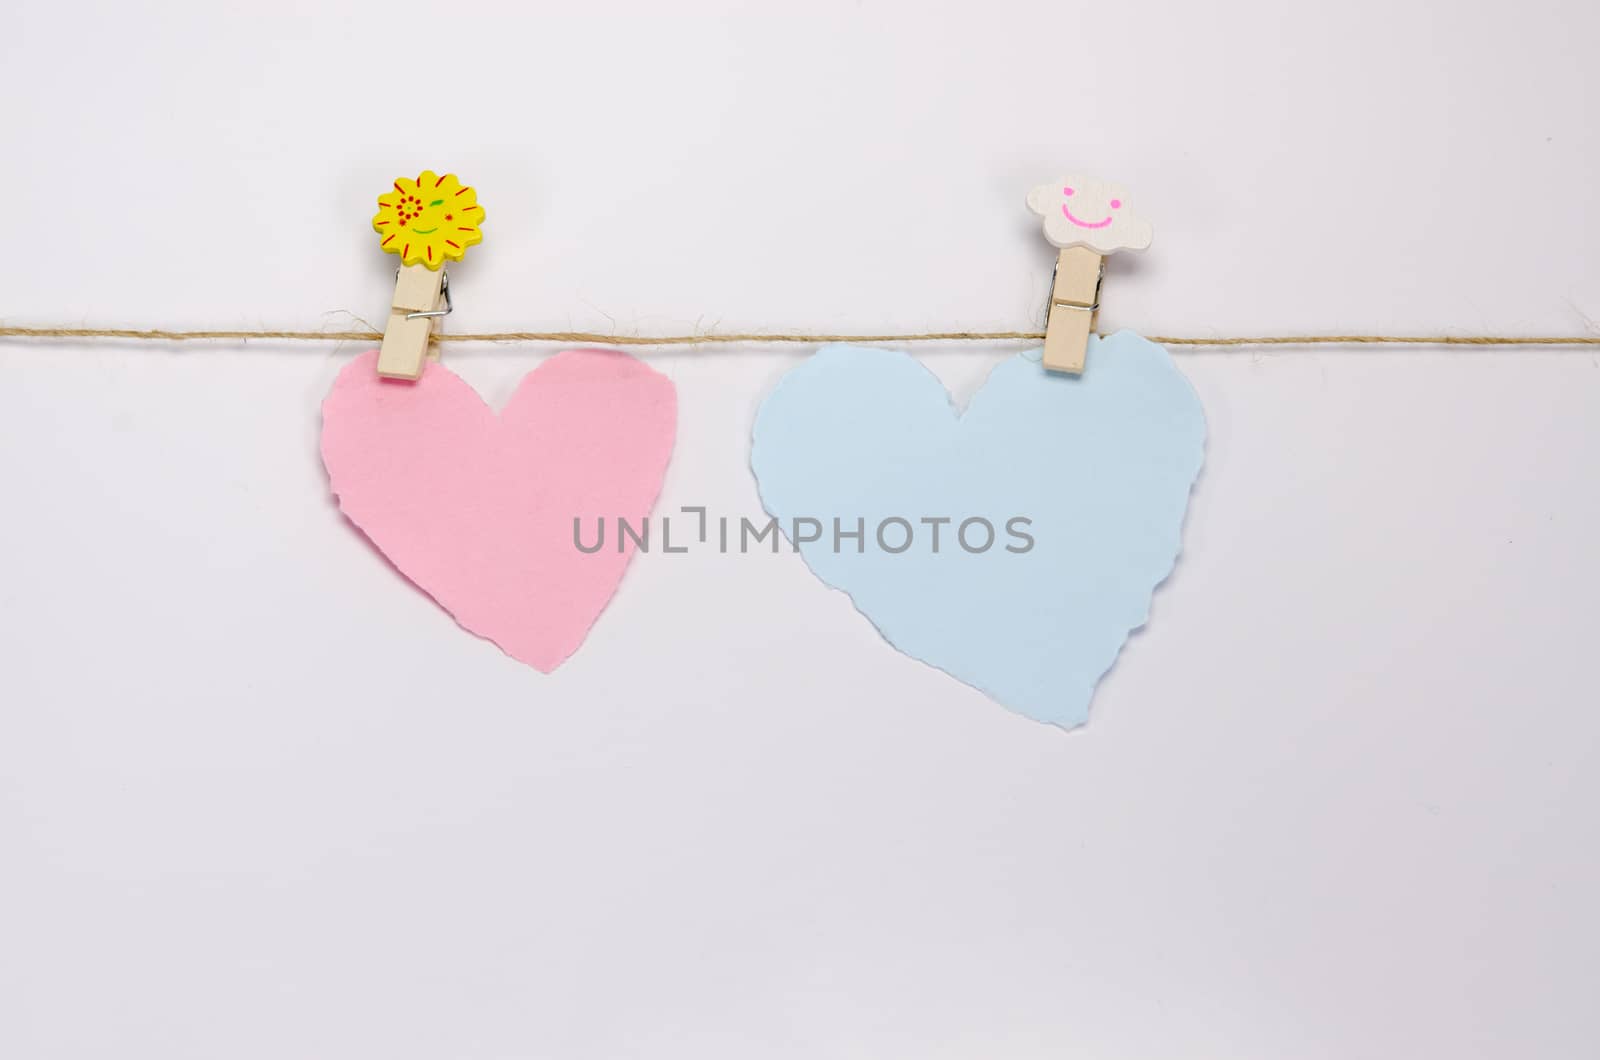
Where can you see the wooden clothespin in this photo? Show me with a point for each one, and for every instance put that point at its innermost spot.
(426, 221)
(1087, 219)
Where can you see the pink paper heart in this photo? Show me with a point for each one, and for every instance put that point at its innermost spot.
(478, 509)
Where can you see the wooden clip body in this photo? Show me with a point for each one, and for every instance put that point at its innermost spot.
(1074, 302)
(417, 289)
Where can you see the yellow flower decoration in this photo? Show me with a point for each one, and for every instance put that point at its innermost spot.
(429, 220)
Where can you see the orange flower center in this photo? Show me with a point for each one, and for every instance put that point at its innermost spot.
(409, 208)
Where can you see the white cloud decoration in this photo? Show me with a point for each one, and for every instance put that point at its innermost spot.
(1080, 211)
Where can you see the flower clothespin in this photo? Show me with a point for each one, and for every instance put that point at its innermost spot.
(426, 221)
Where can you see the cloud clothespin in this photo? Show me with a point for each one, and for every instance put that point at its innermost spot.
(427, 221)
(1087, 219)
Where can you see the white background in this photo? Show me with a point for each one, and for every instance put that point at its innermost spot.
(259, 798)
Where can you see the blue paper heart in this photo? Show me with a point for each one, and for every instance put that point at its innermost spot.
(1100, 465)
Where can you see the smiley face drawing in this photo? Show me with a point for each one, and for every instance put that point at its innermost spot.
(429, 220)
(1080, 211)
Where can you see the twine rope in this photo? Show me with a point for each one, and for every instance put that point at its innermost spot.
(783, 337)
